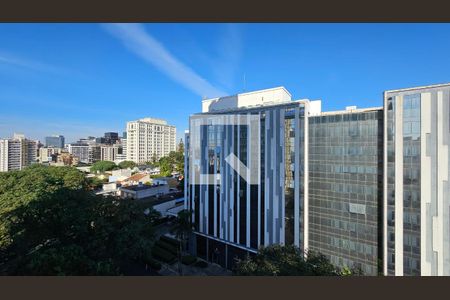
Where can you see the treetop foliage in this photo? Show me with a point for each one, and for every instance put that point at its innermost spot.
(288, 260)
(103, 166)
(50, 224)
(127, 164)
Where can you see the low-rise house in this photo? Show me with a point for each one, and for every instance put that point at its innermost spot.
(119, 175)
(136, 179)
(141, 191)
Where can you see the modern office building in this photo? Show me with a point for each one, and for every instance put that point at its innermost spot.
(16, 153)
(366, 187)
(238, 214)
(149, 138)
(416, 190)
(345, 186)
(110, 138)
(56, 141)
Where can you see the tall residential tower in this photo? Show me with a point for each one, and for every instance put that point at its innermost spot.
(148, 139)
(16, 153)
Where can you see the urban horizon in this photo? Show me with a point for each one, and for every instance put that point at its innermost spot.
(244, 149)
(59, 89)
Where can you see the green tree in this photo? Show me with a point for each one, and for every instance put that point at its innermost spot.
(177, 160)
(50, 224)
(96, 183)
(127, 164)
(182, 229)
(154, 161)
(103, 166)
(165, 166)
(287, 260)
(180, 147)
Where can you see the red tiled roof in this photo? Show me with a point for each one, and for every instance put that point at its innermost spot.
(136, 177)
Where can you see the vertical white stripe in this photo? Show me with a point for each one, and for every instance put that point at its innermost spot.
(274, 194)
(238, 221)
(296, 179)
(306, 182)
(442, 158)
(399, 186)
(425, 180)
(385, 251)
(259, 183)
(266, 181)
(249, 158)
(282, 133)
(231, 233)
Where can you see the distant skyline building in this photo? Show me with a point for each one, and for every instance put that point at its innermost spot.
(81, 151)
(86, 150)
(110, 152)
(149, 138)
(57, 141)
(17, 152)
(109, 138)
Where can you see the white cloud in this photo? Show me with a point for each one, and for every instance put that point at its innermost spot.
(137, 40)
(37, 129)
(230, 52)
(7, 58)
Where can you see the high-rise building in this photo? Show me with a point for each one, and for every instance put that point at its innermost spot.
(81, 151)
(416, 189)
(366, 187)
(122, 154)
(56, 141)
(17, 153)
(345, 162)
(238, 213)
(149, 138)
(47, 154)
(110, 152)
(111, 137)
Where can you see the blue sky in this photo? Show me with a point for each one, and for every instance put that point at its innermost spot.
(86, 79)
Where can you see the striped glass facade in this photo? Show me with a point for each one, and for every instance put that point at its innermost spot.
(345, 187)
(369, 188)
(245, 215)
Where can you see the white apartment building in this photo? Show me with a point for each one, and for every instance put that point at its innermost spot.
(110, 152)
(122, 156)
(81, 151)
(45, 153)
(16, 153)
(148, 138)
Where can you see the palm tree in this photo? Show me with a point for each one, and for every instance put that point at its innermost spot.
(182, 230)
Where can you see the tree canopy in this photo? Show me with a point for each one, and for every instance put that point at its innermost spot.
(103, 166)
(50, 224)
(174, 162)
(127, 164)
(288, 260)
